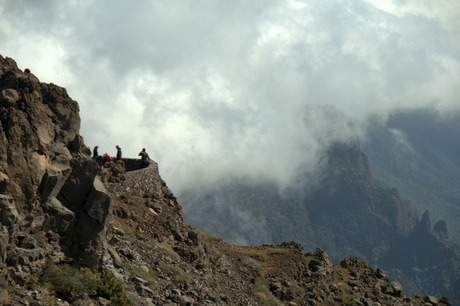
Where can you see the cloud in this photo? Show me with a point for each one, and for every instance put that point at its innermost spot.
(252, 88)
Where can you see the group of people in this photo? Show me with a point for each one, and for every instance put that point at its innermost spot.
(102, 160)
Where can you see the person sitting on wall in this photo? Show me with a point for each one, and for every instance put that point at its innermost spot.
(107, 158)
(118, 152)
(97, 157)
(144, 158)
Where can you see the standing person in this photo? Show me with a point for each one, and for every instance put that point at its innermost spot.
(95, 154)
(118, 152)
(144, 158)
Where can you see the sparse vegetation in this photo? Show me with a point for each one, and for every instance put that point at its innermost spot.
(278, 251)
(260, 256)
(128, 230)
(5, 298)
(165, 247)
(139, 272)
(179, 276)
(344, 299)
(112, 288)
(71, 282)
(212, 239)
(49, 300)
(261, 292)
(67, 281)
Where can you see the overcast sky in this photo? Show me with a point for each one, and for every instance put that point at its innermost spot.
(244, 87)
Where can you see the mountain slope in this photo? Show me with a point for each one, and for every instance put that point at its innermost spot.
(347, 213)
(418, 151)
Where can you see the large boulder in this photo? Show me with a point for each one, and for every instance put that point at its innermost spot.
(8, 97)
(84, 194)
(58, 217)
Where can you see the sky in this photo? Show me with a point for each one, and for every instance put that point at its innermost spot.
(236, 88)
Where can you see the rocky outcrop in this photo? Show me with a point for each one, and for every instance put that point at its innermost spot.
(48, 184)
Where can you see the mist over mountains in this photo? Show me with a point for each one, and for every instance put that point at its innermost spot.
(253, 88)
(418, 151)
(241, 102)
(342, 208)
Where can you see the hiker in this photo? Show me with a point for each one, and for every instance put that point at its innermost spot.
(107, 158)
(118, 152)
(97, 157)
(144, 158)
(95, 154)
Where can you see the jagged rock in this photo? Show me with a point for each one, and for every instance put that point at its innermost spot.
(431, 299)
(117, 262)
(98, 205)
(4, 241)
(397, 288)
(27, 242)
(8, 214)
(4, 182)
(79, 183)
(20, 256)
(55, 177)
(381, 274)
(8, 97)
(320, 264)
(441, 229)
(58, 217)
(445, 301)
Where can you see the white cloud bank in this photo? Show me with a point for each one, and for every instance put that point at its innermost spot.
(241, 87)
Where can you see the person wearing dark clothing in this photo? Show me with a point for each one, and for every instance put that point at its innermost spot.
(118, 152)
(95, 152)
(144, 158)
(97, 157)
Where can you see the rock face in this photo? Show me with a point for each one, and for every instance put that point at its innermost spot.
(58, 206)
(48, 184)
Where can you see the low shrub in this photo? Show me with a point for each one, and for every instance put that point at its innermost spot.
(178, 275)
(139, 272)
(344, 299)
(128, 230)
(261, 292)
(165, 247)
(71, 282)
(260, 256)
(212, 239)
(67, 281)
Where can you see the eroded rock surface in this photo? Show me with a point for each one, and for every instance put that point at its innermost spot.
(48, 183)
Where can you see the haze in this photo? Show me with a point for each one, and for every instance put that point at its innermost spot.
(244, 88)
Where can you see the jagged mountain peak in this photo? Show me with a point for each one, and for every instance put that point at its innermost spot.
(425, 222)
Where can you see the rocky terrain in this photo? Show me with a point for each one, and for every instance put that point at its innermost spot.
(75, 233)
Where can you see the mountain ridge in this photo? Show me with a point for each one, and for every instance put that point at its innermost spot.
(347, 214)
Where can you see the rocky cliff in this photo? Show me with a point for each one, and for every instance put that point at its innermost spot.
(75, 233)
